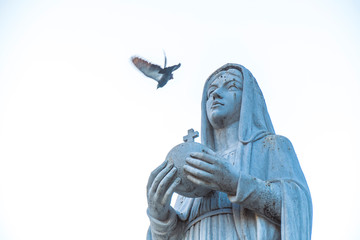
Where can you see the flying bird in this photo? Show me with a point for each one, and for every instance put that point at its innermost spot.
(161, 75)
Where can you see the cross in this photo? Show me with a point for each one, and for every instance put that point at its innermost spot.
(191, 135)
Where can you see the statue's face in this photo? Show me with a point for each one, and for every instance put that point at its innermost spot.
(224, 100)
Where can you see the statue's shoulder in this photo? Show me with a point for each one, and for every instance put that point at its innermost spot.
(276, 142)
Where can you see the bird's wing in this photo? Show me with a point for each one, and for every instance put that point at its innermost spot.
(150, 70)
(170, 69)
(175, 67)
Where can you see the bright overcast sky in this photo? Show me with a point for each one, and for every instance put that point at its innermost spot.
(81, 129)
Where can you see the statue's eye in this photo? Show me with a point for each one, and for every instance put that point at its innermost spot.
(233, 87)
(211, 90)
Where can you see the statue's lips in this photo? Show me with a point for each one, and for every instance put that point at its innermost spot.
(216, 104)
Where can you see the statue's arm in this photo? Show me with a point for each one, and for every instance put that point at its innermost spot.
(263, 197)
(170, 229)
(218, 174)
(266, 197)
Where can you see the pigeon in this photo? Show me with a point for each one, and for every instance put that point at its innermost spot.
(161, 75)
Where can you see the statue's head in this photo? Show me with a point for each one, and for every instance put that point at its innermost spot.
(231, 94)
(223, 95)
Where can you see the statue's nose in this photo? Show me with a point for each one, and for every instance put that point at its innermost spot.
(216, 94)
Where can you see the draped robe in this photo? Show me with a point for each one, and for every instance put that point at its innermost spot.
(272, 200)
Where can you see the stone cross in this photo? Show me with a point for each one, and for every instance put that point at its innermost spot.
(191, 135)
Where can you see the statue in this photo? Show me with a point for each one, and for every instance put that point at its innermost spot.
(256, 186)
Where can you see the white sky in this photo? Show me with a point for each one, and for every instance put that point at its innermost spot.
(81, 129)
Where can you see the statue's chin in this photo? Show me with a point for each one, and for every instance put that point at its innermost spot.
(216, 118)
(220, 120)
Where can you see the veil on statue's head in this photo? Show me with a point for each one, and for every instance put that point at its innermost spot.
(254, 122)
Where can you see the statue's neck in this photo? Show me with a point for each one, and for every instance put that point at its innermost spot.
(227, 137)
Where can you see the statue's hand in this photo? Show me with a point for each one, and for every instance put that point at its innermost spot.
(213, 172)
(160, 187)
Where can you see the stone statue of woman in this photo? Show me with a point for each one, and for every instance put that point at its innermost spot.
(258, 188)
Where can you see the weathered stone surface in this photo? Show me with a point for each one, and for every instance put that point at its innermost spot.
(258, 190)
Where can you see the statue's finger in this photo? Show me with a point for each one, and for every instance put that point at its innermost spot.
(166, 182)
(209, 151)
(169, 192)
(199, 174)
(158, 178)
(204, 156)
(198, 181)
(200, 164)
(154, 174)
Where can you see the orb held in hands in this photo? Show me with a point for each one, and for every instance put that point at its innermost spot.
(177, 156)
